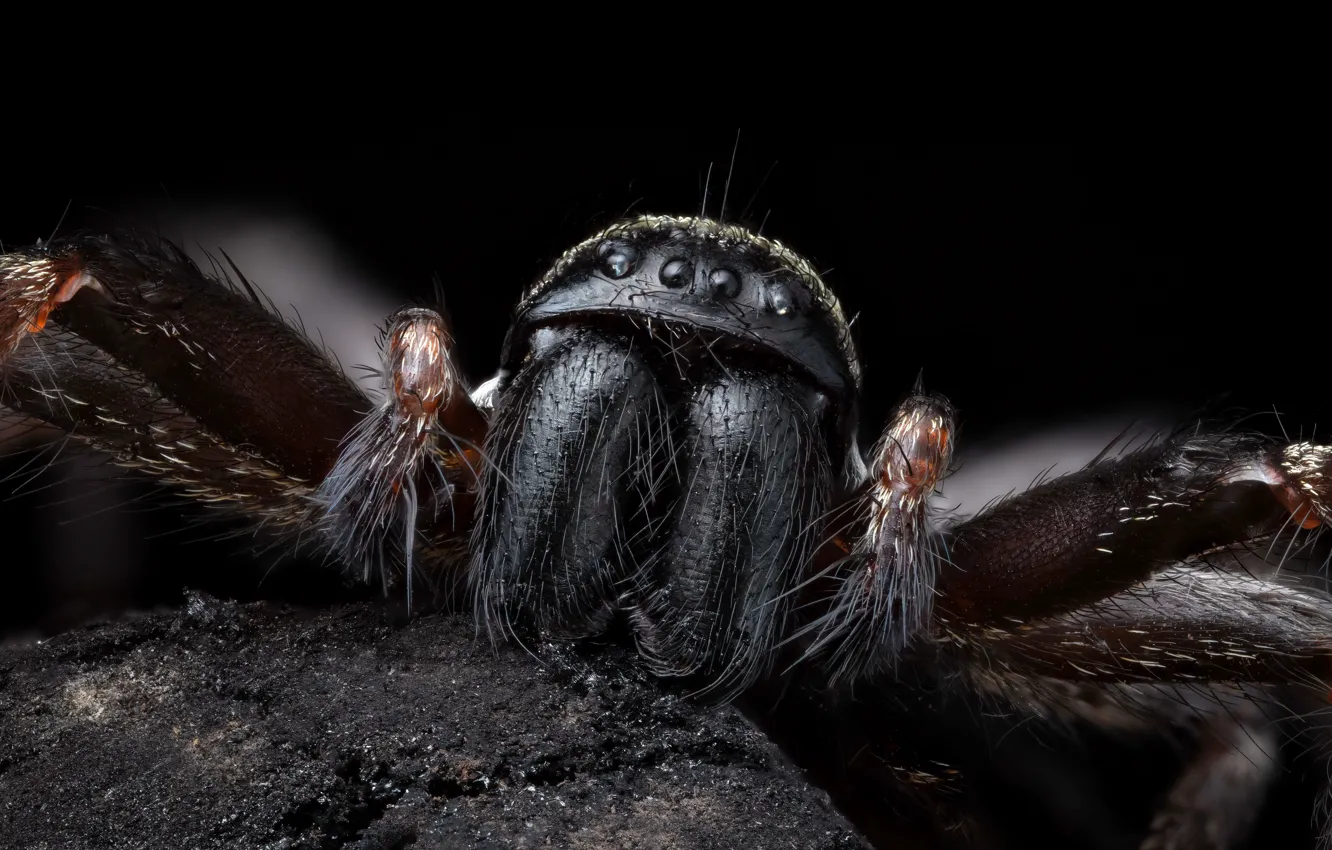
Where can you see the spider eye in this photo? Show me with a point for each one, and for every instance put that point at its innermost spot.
(724, 283)
(677, 273)
(617, 259)
(780, 301)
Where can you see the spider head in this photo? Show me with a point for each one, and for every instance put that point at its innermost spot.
(705, 292)
(676, 395)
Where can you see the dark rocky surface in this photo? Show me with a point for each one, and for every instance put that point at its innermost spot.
(253, 726)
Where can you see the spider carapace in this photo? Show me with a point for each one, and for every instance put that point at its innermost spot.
(669, 448)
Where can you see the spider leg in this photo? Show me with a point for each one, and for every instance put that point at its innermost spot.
(124, 343)
(63, 380)
(1119, 572)
(1105, 595)
(1193, 643)
(1080, 564)
(1216, 800)
(1112, 594)
(238, 368)
(1188, 623)
(1088, 535)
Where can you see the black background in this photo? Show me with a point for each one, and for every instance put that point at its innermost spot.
(1036, 285)
(1032, 283)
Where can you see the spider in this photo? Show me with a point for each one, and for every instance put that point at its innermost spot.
(669, 450)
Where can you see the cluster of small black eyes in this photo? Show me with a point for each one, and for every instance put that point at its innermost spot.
(619, 259)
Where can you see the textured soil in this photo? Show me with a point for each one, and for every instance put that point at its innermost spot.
(253, 726)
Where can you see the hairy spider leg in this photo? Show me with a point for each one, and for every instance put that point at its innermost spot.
(123, 342)
(1118, 594)
(1109, 595)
